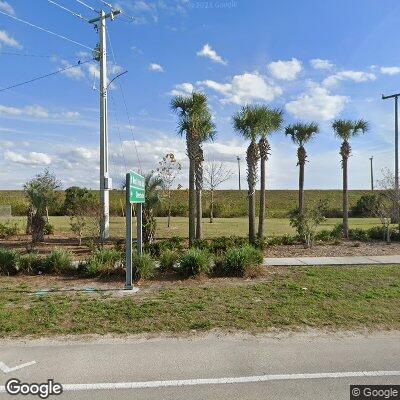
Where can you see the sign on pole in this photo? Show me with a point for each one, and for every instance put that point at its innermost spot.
(135, 194)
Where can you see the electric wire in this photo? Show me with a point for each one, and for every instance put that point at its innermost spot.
(126, 107)
(77, 65)
(68, 10)
(8, 53)
(107, 4)
(45, 30)
(86, 5)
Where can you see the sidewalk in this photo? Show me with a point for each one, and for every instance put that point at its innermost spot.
(351, 260)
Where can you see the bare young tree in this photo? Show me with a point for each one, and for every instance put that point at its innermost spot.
(169, 169)
(215, 175)
(388, 203)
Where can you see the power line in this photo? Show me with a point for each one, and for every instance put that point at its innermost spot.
(8, 53)
(107, 4)
(68, 10)
(126, 107)
(86, 5)
(46, 76)
(46, 30)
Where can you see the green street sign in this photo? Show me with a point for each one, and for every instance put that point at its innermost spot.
(136, 188)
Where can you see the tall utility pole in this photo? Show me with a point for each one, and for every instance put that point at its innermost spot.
(372, 173)
(238, 160)
(396, 138)
(105, 180)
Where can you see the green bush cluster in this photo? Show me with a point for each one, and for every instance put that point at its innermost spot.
(240, 261)
(57, 262)
(220, 245)
(195, 262)
(168, 260)
(144, 266)
(7, 230)
(156, 249)
(102, 263)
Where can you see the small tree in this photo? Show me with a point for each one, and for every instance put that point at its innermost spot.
(79, 205)
(169, 168)
(306, 221)
(41, 192)
(153, 186)
(215, 175)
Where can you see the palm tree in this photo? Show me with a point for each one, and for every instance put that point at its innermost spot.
(153, 185)
(270, 121)
(196, 124)
(345, 130)
(300, 135)
(246, 123)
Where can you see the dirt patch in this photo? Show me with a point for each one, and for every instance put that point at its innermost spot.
(344, 248)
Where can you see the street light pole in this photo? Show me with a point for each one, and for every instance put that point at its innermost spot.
(238, 160)
(372, 173)
(105, 180)
(396, 138)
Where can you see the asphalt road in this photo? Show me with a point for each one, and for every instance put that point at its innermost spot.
(296, 366)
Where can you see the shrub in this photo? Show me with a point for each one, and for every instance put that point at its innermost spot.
(366, 206)
(377, 233)
(243, 261)
(282, 240)
(48, 229)
(157, 248)
(358, 234)
(219, 267)
(337, 231)
(9, 262)
(144, 265)
(31, 263)
(174, 243)
(324, 235)
(102, 263)
(168, 260)
(307, 221)
(7, 230)
(58, 262)
(195, 262)
(220, 245)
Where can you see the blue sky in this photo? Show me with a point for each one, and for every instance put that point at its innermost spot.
(316, 60)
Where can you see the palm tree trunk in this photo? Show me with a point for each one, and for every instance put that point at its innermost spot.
(302, 156)
(261, 215)
(192, 203)
(345, 151)
(199, 187)
(252, 158)
(301, 188)
(345, 201)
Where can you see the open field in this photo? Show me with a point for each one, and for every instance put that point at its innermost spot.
(220, 226)
(229, 203)
(312, 297)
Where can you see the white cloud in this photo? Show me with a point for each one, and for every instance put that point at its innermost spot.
(36, 111)
(6, 39)
(31, 158)
(208, 52)
(155, 68)
(318, 104)
(245, 88)
(390, 70)
(317, 63)
(4, 6)
(285, 70)
(182, 89)
(355, 76)
(73, 73)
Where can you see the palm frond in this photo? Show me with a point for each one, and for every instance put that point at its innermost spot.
(346, 129)
(302, 133)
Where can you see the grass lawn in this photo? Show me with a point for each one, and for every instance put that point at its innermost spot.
(220, 226)
(306, 297)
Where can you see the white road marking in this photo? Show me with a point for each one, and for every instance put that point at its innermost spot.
(6, 369)
(220, 381)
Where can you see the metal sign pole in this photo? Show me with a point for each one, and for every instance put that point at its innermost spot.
(128, 258)
(139, 229)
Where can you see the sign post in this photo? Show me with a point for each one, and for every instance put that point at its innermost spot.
(135, 194)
